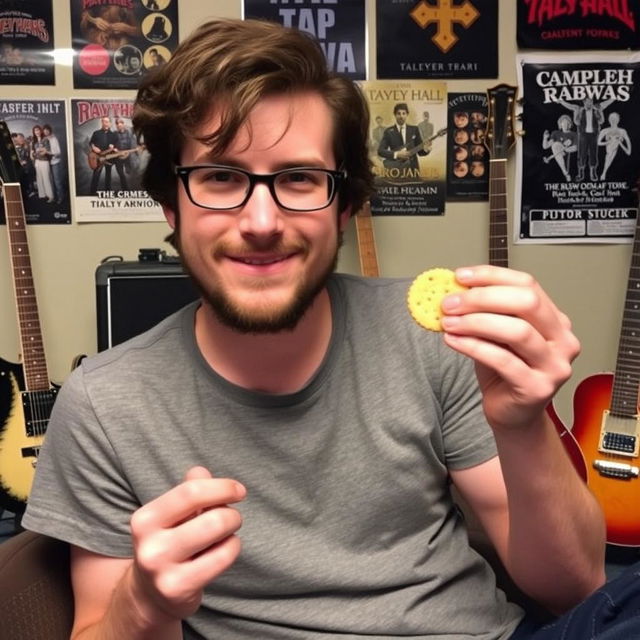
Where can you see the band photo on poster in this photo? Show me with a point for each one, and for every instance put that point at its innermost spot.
(408, 146)
(108, 164)
(579, 159)
(39, 134)
(115, 41)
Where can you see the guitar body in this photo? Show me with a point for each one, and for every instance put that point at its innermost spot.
(18, 450)
(571, 445)
(619, 498)
(97, 160)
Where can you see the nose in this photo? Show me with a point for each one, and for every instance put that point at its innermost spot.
(261, 216)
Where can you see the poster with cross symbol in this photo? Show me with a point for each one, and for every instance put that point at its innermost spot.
(437, 39)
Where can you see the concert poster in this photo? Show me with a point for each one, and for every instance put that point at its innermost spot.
(467, 155)
(339, 27)
(115, 42)
(408, 146)
(419, 39)
(26, 42)
(578, 25)
(579, 158)
(44, 178)
(108, 164)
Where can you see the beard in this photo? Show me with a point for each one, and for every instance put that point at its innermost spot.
(271, 319)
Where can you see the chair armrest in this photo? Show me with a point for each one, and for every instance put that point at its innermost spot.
(36, 599)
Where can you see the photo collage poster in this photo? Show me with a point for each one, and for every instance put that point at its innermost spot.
(418, 40)
(467, 157)
(108, 164)
(338, 27)
(408, 146)
(39, 133)
(26, 42)
(580, 156)
(115, 42)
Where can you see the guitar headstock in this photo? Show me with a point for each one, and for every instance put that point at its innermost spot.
(9, 162)
(499, 133)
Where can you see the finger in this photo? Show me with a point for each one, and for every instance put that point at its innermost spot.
(184, 501)
(197, 472)
(180, 543)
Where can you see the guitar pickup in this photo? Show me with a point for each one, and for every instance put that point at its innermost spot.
(616, 469)
(617, 435)
(37, 407)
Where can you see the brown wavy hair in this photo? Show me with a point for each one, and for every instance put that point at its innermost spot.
(229, 65)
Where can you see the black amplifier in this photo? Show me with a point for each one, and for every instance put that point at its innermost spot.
(133, 296)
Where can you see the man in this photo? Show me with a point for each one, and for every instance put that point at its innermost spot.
(57, 166)
(300, 413)
(401, 143)
(612, 138)
(102, 143)
(27, 170)
(561, 143)
(125, 142)
(425, 126)
(588, 117)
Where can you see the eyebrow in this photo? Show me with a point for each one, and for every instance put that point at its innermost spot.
(207, 158)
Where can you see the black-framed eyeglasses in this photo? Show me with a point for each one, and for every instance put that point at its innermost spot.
(218, 187)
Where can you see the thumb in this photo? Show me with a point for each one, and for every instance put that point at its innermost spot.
(197, 473)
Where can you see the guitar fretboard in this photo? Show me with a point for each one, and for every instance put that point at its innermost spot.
(366, 242)
(498, 246)
(34, 363)
(626, 381)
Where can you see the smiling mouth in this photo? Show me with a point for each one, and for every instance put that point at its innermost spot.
(262, 261)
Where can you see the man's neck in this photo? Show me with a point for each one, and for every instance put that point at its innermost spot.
(277, 363)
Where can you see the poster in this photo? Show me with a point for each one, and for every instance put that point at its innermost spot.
(467, 156)
(39, 133)
(117, 41)
(580, 156)
(408, 146)
(441, 39)
(578, 25)
(108, 164)
(338, 25)
(26, 42)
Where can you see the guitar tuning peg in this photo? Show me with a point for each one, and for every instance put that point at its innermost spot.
(519, 117)
(520, 101)
(520, 133)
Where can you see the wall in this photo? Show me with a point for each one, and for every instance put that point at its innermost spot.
(587, 282)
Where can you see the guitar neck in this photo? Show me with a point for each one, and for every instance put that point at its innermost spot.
(366, 242)
(626, 382)
(498, 246)
(34, 363)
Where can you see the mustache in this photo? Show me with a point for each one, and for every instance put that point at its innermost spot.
(247, 250)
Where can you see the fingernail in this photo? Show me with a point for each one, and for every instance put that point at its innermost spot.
(449, 322)
(450, 303)
(463, 274)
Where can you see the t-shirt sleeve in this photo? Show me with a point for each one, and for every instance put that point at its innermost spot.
(78, 494)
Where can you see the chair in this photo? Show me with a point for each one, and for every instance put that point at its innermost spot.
(36, 600)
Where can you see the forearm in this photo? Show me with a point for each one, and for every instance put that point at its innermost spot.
(556, 539)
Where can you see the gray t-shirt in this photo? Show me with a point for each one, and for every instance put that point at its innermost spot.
(349, 527)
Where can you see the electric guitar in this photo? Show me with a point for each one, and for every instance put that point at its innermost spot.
(26, 396)
(399, 163)
(606, 423)
(106, 157)
(499, 139)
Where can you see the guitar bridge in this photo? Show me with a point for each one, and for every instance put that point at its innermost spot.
(618, 435)
(616, 469)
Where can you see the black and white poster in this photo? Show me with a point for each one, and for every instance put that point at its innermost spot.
(569, 24)
(452, 39)
(26, 42)
(579, 157)
(467, 156)
(39, 134)
(338, 25)
(408, 148)
(117, 41)
(108, 164)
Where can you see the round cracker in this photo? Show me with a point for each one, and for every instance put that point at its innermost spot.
(426, 293)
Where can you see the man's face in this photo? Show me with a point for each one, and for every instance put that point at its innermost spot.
(259, 267)
(120, 126)
(106, 123)
(401, 116)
